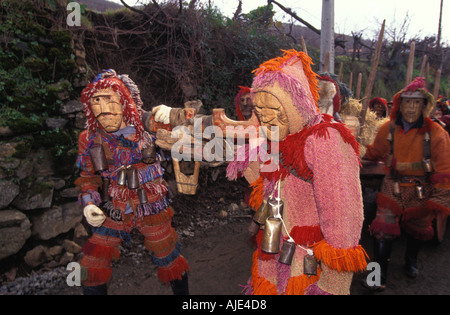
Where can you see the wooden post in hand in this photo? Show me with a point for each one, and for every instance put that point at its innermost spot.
(409, 70)
(371, 81)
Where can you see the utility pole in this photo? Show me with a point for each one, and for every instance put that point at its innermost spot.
(327, 36)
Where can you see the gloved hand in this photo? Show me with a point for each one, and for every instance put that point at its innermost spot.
(162, 114)
(94, 216)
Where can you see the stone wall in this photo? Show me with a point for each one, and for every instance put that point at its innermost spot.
(40, 217)
(37, 203)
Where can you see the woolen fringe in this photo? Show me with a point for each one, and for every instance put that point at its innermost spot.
(174, 271)
(340, 259)
(100, 251)
(260, 285)
(377, 227)
(386, 202)
(297, 285)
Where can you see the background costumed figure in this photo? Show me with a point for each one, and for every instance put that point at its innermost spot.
(316, 181)
(416, 187)
(122, 185)
(243, 103)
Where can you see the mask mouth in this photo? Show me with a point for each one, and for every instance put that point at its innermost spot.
(105, 114)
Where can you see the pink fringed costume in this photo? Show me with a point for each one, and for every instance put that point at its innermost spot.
(320, 187)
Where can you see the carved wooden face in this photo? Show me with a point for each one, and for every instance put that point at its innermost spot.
(107, 108)
(246, 106)
(271, 113)
(379, 109)
(411, 109)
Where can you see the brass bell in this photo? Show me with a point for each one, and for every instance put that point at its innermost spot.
(121, 177)
(272, 234)
(420, 192)
(276, 207)
(132, 177)
(396, 189)
(427, 165)
(287, 252)
(310, 265)
(149, 154)
(262, 213)
(105, 186)
(98, 158)
(142, 194)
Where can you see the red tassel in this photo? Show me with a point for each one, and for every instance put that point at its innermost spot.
(385, 202)
(97, 276)
(174, 271)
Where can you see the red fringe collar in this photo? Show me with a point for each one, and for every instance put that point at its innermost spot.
(292, 157)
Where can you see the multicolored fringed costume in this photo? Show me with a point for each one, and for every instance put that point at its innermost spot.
(405, 165)
(320, 187)
(122, 205)
(416, 187)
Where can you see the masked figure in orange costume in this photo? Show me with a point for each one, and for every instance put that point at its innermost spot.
(417, 187)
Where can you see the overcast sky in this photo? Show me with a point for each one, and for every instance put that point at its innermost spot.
(358, 15)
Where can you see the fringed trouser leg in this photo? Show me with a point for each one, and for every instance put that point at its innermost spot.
(161, 240)
(100, 250)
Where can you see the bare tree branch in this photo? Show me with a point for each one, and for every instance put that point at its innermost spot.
(295, 16)
(136, 10)
(238, 11)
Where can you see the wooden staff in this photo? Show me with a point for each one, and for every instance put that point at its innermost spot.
(305, 49)
(422, 67)
(371, 81)
(358, 86)
(340, 72)
(437, 82)
(409, 70)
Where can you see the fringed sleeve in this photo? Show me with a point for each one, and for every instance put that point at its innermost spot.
(88, 182)
(338, 196)
(380, 148)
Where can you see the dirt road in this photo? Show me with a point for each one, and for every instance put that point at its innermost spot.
(220, 261)
(219, 253)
